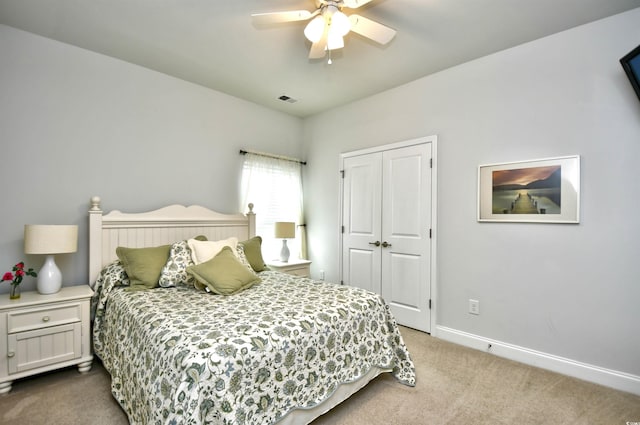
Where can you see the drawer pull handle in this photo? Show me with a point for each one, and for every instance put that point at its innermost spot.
(45, 319)
(11, 354)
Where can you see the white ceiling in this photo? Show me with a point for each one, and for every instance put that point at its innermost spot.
(215, 43)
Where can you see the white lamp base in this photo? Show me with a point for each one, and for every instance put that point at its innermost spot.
(49, 277)
(284, 253)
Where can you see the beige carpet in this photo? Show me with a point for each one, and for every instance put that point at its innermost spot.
(455, 385)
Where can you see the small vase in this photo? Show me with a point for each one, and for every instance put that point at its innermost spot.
(15, 292)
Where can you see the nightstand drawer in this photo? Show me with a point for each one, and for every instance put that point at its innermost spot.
(300, 271)
(24, 320)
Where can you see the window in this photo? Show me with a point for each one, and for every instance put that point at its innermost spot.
(274, 186)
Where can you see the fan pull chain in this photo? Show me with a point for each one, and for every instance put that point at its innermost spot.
(329, 61)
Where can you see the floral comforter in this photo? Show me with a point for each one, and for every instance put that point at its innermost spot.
(181, 356)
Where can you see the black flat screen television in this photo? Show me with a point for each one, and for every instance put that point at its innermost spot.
(631, 64)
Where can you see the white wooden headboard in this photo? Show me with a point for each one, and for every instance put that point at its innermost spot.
(160, 227)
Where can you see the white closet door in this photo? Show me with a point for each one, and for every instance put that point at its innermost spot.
(406, 221)
(361, 218)
(387, 219)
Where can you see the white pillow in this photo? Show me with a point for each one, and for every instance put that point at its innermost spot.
(202, 251)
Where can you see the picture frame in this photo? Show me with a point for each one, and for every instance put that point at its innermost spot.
(535, 191)
(631, 65)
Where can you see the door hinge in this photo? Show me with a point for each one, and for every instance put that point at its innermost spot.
(342, 173)
(341, 229)
(429, 303)
(342, 282)
(430, 233)
(430, 162)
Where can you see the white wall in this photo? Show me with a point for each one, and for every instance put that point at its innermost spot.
(74, 124)
(559, 292)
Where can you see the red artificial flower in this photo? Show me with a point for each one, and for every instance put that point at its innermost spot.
(20, 273)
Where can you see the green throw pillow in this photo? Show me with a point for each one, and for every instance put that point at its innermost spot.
(253, 252)
(143, 265)
(223, 274)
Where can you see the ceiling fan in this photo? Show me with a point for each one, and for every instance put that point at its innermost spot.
(328, 25)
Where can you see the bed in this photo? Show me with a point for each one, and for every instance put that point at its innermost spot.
(283, 350)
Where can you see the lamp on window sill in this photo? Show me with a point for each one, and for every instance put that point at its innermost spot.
(285, 230)
(50, 240)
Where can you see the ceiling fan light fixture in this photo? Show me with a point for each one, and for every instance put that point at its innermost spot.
(334, 41)
(327, 25)
(340, 23)
(314, 29)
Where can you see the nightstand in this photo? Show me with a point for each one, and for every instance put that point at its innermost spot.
(39, 333)
(294, 267)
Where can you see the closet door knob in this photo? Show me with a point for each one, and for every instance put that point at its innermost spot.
(376, 243)
(385, 244)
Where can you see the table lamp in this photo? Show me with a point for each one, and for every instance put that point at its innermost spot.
(285, 230)
(49, 240)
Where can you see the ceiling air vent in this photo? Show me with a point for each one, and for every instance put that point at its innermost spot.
(286, 98)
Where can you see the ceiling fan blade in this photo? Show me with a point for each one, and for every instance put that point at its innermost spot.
(371, 29)
(353, 4)
(319, 48)
(278, 17)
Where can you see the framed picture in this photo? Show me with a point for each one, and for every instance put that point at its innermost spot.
(631, 64)
(540, 191)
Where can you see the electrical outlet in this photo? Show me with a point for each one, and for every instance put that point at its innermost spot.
(474, 306)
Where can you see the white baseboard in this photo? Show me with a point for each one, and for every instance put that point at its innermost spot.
(599, 375)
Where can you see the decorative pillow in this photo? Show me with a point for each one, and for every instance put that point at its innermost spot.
(242, 257)
(223, 274)
(202, 251)
(143, 265)
(174, 271)
(253, 251)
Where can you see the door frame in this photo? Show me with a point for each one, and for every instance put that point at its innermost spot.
(434, 209)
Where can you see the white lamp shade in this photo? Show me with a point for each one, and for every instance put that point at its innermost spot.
(314, 29)
(340, 23)
(285, 230)
(334, 41)
(50, 239)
